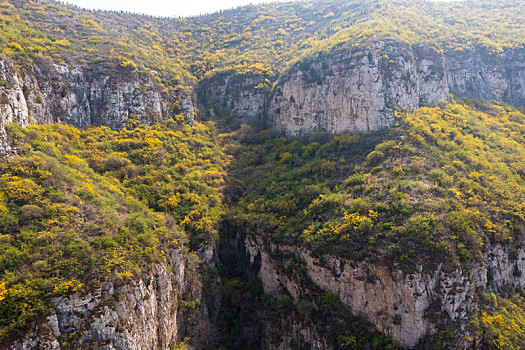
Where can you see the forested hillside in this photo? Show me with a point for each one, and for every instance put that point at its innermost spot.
(298, 175)
(260, 39)
(432, 193)
(444, 182)
(78, 206)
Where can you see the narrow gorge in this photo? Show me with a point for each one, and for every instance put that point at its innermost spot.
(320, 180)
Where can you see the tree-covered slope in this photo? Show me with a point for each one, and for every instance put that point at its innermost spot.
(442, 183)
(437, 192)
(268, 37)
(81, 206)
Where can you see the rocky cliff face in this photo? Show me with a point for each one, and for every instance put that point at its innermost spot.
(105, 95)
(13, 103)
(268, 321)
(350, 91)
(409, 307)
(355, 91)
(243, 95)
(142, 314)
(4, 147)
(479, 75)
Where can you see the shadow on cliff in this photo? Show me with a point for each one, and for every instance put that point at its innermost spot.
(247, 317)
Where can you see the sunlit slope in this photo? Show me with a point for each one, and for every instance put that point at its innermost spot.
(437, 187)
(79, 206)
(268, 37)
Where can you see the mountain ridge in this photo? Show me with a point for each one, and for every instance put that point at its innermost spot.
(315, 174)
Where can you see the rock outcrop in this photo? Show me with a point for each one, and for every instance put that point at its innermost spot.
(242, 95)
(397, 303)
(478, 74)
(349, 91)
(142, 314)
(43, 93)
(4, 146)
(356, 91)
(346, 90)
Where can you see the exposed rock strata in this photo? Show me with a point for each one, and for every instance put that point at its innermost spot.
(349, 91)
(480, 75)
(243, 95)
(105, 95)
(396, 303)
(356, 91)
(4, 147)
(143, 314)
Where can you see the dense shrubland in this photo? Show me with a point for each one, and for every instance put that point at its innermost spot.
(78, 206)
(433, 190)
(501, 323)
(442, 183)
(264, 39)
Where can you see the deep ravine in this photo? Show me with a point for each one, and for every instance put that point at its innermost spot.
(262, 283)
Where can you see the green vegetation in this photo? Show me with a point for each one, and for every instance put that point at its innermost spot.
(501, 323)
(77, 206)
(442, 183)
(264, 39)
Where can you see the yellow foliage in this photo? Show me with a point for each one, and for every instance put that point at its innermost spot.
(502, 323)
(358, 222)
(74, 161)
(92, 24)
(173, 202)
(3, 291)
(67, 286)
(3, 206)
(21, 190)
(87, 192)
(16, 46)
(6, 5)
(128, 64)
(63, 42)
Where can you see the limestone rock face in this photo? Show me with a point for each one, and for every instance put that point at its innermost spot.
(348, 90)
(13, 100)
(355, 91)
(104, 95)
(187, 107)
(398, 304)
(479, 75)
(4, 147)
(244, 95)
(142, 314)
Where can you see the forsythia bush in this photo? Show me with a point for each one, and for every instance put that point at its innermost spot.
(77, 206)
